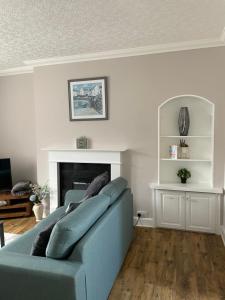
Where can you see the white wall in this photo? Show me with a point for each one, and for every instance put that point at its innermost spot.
(136, 87)
(17, 125)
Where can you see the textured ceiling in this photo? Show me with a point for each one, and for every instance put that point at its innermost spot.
(35, 29)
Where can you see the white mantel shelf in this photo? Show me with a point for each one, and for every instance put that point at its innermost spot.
(186, 187)
(112, 149)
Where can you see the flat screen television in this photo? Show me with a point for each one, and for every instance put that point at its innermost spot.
(5, 175)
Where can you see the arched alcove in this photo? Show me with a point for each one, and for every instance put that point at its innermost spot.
(200, 139)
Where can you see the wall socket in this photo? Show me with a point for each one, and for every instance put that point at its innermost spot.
(141, 213)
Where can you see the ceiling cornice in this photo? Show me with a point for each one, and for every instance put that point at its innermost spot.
(16, 71)
(139, 51)
(190, 45)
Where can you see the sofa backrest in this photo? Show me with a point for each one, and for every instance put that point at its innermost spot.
(114, 189)
(73, 226)
(74, 196)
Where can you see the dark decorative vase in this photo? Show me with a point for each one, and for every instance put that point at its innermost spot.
(184, 121)
(183, 180)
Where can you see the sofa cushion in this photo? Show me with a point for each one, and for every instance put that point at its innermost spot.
(41, 241)
(114, 188)
(97, 184)
(73, 226)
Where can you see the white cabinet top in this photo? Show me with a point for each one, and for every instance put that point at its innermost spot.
(186, 187)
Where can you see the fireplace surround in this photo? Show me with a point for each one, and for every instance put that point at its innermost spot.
(103, 159)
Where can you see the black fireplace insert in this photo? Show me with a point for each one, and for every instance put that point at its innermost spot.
(77, 176)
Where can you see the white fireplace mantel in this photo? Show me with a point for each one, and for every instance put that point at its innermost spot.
(67, 154)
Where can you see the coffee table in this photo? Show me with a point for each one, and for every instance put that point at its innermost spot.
(2, 238)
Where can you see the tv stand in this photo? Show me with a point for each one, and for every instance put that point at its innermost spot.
(17, 206)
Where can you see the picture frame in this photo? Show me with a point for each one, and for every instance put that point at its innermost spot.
(88, 99)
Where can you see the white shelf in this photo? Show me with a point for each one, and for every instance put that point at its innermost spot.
(74, 149)
(186, 136)
(187, 160)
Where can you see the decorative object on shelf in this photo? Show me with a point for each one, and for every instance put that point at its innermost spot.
(184, 121)
(38, 194)
(82, 142)
(88, 99)
(3, 203)
(183, 150)
(21, 188)
(184, 174)
(173, 150)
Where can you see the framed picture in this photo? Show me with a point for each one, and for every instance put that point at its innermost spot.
(88, 99)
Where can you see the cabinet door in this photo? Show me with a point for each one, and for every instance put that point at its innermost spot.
(170, 209)
(201, 212)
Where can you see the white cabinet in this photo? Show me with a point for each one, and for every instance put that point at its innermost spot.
(201, 212)
(170, 208)
(187, 210)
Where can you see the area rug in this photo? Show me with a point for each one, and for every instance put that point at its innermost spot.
(9, 237)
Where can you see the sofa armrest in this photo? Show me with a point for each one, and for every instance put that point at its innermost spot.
(31, 277)
(74, 196)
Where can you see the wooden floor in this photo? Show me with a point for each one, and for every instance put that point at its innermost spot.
(168, 265)
(164, 265)
(18, 225)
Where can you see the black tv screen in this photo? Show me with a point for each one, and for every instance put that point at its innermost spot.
(5, 175)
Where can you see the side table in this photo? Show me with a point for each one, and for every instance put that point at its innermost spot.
(2, 238)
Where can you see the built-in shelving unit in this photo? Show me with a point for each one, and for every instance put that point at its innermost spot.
(196, 205)
(200, 140)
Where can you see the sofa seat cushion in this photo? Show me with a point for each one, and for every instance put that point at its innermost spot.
(72, 227)
(114, 188)
(23, 243)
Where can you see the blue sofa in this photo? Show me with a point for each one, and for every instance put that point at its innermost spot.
(84, 255)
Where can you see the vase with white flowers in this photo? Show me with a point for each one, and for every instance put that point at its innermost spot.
(39, 193)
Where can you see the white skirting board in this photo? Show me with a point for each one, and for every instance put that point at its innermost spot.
(144, 222)
(223, 234)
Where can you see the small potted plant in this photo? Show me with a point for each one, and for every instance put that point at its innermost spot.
(39, 193)
(184, 174)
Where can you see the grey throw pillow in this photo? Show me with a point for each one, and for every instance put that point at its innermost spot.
(97, 184)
